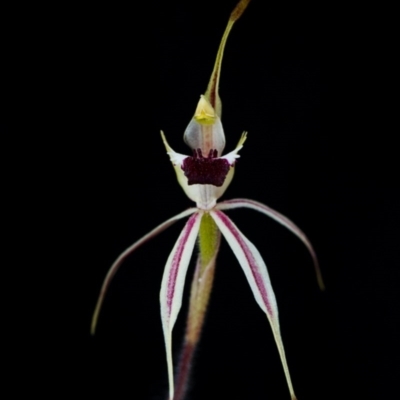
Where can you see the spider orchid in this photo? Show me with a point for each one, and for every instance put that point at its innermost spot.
(204, 177)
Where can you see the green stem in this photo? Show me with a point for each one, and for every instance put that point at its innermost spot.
(209, 240)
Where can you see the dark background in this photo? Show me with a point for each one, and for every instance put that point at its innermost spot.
(112, 79)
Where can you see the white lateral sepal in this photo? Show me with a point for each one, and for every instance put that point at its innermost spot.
(257, 275)
(173, 283)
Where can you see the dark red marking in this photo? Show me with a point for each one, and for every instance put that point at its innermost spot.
(176, 261)
(254, 267)
(209, 170)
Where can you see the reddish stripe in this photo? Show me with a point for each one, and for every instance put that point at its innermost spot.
(270, 210)
(176, 261)
(280, 218)
(250, 259)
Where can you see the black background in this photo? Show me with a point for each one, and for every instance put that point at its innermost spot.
(112, 79)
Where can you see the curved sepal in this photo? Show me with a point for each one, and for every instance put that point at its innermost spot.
(173, 283)
(278, 217)
(257, 275)
(117, 263)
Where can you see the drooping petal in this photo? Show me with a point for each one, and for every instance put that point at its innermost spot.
(201, 287)
(173, 283)
(257, 275)
(117, 263)
(286, 222)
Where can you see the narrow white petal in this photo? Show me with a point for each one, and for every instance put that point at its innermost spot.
(233, 155)
(257, 275)
(117, 263)
(278, 217)
(173, 283)
(176, 158)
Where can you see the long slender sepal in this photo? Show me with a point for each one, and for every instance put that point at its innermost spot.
(257, 275)
(173, 283)
(286, 222)
(209, 241)
(117, 263)
(212, 90)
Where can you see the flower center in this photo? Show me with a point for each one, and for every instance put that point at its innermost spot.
(202, 170)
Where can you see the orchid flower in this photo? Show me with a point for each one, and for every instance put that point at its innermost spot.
(205, 176)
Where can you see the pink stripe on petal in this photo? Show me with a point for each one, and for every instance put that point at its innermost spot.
(121, 258)
(281, 219)
(257, 268)
(256, 273)
(176, 261)
(173, 283)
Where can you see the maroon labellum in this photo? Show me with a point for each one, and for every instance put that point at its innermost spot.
(205, 170)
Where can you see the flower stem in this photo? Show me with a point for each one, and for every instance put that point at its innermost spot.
(209, 240)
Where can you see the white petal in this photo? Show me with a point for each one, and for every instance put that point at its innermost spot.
(233, 155)
(278, 217)
(173, 283)
(117, 263)
(176, 158)
(257, 275)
